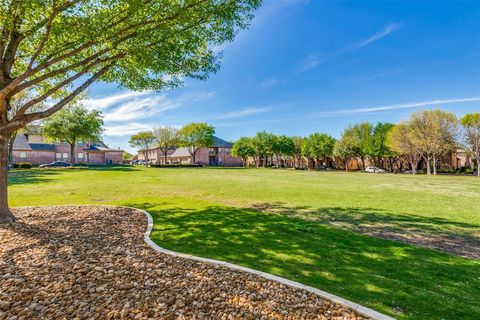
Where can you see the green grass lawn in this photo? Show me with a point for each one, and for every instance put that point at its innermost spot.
(303, 228)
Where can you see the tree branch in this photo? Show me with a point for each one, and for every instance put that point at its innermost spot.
(21, 121)
(47, 94)
(54, 73)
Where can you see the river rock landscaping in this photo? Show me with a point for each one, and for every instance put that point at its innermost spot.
(90, 262)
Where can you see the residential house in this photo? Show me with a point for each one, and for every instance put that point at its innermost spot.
(219, 154)
(33, 148)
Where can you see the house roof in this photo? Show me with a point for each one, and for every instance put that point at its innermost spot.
(180, 152)
(21, 143)
(101, 148)
(220, 143)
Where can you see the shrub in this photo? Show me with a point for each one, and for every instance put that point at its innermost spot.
(23, 165)
(188, 165)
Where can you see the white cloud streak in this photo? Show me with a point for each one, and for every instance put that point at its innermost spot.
(313, 60)
(126, 129)
(124, 111)
(242, 113)
(104, 103)
(142, 108)
(410, 105)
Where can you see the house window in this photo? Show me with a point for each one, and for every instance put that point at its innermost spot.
(58, 155)
(23, 155)
(80, 156)
(65, 155)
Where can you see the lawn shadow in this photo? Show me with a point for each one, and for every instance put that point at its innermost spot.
(29, 176)
(395, 278)
(455, 237)
(119, 168)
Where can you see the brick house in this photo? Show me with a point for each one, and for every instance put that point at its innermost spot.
(219, 154)
(33, 148)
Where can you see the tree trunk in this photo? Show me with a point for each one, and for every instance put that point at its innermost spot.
(72, 154)
(165, 157)
(390, 160)
(413, 165)
(429, 172)
(10, 148)
(363, 163)
(434, 165)
(6, 215)
(346, 165)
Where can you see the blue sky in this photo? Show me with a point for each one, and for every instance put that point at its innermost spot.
(316, 66)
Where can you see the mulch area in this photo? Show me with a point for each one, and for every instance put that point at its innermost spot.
(84, 262)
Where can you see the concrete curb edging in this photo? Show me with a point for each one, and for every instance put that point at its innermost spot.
(364, 311)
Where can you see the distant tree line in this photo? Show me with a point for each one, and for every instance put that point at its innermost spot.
(427, 135)
(192, 136)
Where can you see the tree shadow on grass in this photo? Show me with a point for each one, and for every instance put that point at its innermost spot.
(395, 278)
(30, 176)
(119, 168)
(459, 238)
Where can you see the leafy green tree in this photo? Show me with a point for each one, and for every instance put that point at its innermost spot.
(167, 139)
(318, 146)
(362, 134)
(345, 149)
(127, 155)
(471, 126)
(143, 141)
(243, 148)
(282, 147)
(399, 140)
(380, 149)
(263, 142)
(58, 48)
(434, 133)
(196, 135)
(72, 124)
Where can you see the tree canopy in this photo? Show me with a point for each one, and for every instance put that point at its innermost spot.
(471, 136)
(59, 48)
(243, 148)
(140, 44)
(143, 141)
(72, 124)
(196, 135)
(167, 138)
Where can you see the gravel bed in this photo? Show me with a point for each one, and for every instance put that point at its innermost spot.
(84, 262)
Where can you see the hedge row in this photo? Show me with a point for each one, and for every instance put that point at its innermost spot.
(22, 165)
(191, 165)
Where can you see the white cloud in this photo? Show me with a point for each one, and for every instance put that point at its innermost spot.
(377, 36)
(104, 103)
(242, 113)
(124, 112)
(126, 129)
(401, 106)
(141, 108)
(313, 59)
(269, 83)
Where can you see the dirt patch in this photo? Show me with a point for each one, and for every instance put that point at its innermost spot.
(92, 262)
